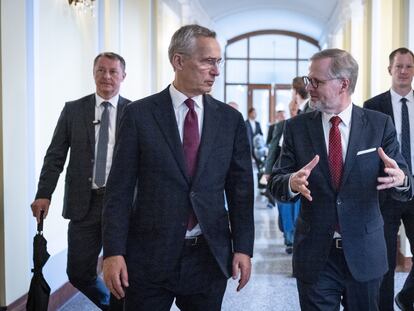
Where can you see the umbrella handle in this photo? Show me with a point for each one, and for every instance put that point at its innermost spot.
(40, 224)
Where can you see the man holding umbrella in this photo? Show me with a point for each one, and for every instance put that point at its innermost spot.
(87, 127)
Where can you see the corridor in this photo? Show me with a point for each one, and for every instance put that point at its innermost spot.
(271, 287)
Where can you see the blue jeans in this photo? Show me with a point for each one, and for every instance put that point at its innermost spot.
(288, 213)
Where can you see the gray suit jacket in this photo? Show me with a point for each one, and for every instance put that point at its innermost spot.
(355, 206)
(149, 154)
(75, 130)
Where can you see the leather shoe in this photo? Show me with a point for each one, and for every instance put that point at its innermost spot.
(403, 304)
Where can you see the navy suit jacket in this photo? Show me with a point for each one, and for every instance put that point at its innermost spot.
(149, 154)
(250, 134)
(75, 130)
(355, 206)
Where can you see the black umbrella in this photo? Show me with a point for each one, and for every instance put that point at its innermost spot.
(39, 292)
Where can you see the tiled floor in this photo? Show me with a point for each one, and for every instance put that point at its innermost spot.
(271, 287)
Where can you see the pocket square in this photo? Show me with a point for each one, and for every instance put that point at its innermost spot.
(366, 151)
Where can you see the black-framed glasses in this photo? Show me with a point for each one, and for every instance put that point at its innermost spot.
(315, 82)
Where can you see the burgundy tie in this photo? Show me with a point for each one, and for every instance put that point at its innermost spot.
(191, 141)
(335, 152)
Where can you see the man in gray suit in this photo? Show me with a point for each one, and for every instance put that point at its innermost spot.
(183, 150)
(87, 127)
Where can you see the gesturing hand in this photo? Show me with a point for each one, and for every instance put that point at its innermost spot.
(395, 176)
(299, 180)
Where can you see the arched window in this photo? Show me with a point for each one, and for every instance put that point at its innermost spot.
(260, 66)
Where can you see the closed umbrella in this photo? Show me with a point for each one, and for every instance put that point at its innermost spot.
(39, 292)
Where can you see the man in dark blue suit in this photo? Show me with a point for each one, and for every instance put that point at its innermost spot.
(336, 159)
(79, 129)
(401, 69)
(253, 128)
(178, 152)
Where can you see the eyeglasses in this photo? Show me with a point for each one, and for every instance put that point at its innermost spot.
(315, 82)
(212, 62)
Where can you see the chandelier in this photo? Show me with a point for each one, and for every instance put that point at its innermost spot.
(82, 5)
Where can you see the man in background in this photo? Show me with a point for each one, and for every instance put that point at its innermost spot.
(184, 150)
(253, 128)
(87, 127)
(398, 102)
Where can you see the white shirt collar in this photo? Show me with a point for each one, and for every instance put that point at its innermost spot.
(178, 98)
(113, 101)
(345, 115)
(395, 97)
(302, 106)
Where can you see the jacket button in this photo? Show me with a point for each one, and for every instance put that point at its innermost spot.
(90, 179)
(338, 202)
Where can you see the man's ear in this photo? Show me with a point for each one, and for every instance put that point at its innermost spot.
(389, 70)
(177, 61)
(345, 85)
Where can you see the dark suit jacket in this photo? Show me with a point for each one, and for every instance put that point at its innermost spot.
(74, 130)
(149, 153)
(250, 133)
(382, 103)
(355, 207)
(274, 148)
(270, 133)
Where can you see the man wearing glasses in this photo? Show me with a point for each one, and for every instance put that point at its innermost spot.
(183, 149)
(335, 160)
(398, 103)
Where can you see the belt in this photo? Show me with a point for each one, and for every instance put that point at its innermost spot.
(194, 241)
(337, 243)
(99, 191)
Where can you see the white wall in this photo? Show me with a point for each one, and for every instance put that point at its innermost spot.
(48, 49)
(16, 148)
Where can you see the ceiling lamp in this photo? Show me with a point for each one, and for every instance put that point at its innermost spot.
(82, 5)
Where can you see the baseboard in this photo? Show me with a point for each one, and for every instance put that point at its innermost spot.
(404, 264)
(56, 300)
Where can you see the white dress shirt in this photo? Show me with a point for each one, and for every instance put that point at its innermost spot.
(180, 110)
(396, 109)
(112, 110)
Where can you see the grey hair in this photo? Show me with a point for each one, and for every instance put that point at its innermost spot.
(343, 65)
(183, 39)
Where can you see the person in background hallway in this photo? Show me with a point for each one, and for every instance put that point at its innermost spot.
(335, 160)
(288, 212)
(80, 129)
(279, 116)
(401, 69)
(234, 105)
(179, 241)
(301, 95)
(253, 129)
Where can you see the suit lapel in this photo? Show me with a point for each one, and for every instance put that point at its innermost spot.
(122, 102)
(318, 142)
(387, 105)
(165, 117)
(357, 126)
(209, 133)
(89, 117)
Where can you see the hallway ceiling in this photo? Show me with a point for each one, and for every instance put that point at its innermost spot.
(321, 9)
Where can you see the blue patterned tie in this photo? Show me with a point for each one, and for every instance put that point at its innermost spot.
(405, 133)
(102, 151)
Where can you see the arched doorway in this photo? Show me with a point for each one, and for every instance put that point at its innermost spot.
(260, 66)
